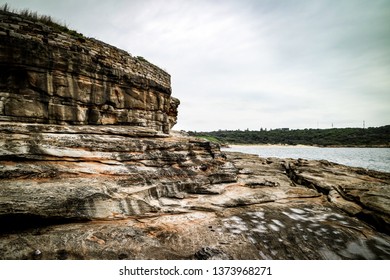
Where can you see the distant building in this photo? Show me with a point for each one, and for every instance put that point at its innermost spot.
(283, 129)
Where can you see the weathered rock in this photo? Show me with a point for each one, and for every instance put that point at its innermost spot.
(101, 172)
(235, 221)
(89, 169)
(208, 253)
(49, 76)
(359, 192)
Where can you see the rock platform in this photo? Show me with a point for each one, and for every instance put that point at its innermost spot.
(268, 212)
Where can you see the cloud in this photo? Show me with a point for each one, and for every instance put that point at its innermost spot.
(242, 64)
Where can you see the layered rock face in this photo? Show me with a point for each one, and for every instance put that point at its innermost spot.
(48, 76)
(265, 213)
(106, 172)
(89, 169)
(84, 131)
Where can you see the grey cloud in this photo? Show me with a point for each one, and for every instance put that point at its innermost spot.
(239, 64)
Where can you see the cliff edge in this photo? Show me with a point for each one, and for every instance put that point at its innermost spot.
(49, 76)
(90, 169)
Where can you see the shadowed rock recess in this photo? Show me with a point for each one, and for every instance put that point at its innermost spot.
(90, 169)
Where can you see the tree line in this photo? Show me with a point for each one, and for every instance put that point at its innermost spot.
(367, 137)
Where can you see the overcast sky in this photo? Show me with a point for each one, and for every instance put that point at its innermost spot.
(252, 63)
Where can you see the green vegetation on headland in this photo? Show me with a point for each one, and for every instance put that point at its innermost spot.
(348, 137)
(209, 138)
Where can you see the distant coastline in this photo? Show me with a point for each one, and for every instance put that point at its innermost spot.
(304, 146)
(372, 137)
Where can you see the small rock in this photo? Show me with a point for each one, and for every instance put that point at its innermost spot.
(209, 253)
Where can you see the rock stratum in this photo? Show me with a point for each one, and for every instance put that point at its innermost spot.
(90, 169)
(51, 77)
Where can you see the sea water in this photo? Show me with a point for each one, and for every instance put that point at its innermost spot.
(369, 158)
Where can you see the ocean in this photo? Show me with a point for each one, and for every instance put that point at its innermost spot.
(369, 158)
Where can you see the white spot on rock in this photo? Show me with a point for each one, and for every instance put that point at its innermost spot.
(297, 211)
(273, 227)
(278, 223)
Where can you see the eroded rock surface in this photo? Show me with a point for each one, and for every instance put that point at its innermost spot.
(103, 172)
(260, 214)
(49, 76)
(358, 192)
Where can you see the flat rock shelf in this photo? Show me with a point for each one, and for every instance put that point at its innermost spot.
(275, 209)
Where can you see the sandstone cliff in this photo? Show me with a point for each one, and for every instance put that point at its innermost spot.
(49, 76)
(89, 169)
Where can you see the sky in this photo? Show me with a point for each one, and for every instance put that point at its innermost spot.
(252, 64)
